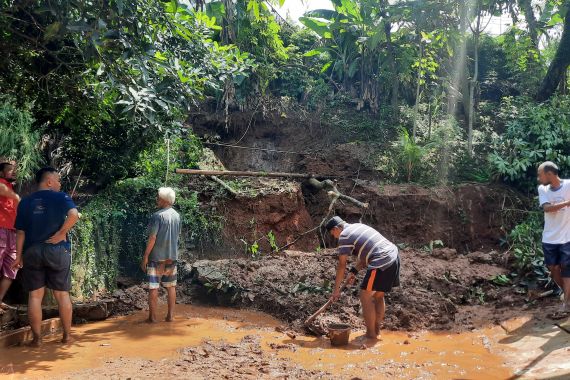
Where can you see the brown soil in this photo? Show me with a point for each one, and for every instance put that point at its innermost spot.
(468, 218)
(275, 206)
(243, 360)
(441, 290)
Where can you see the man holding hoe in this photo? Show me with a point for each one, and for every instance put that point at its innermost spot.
(375, 253)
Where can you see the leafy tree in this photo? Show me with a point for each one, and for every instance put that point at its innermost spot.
(124, 70)
(18, 141)
(534, 133)
(559, 65)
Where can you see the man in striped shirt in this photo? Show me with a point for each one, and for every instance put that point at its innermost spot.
(375, 253)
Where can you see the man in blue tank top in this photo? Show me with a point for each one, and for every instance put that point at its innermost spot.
(42, 248)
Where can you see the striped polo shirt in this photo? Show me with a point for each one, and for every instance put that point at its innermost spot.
(368, 245)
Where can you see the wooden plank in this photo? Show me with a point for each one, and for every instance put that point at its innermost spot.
(24, 334)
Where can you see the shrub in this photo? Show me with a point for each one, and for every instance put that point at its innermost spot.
(18, 141)
(525, 241)
(111, 236)
(534, 133)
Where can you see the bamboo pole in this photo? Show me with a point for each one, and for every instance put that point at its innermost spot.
(235, 173)
(224, 185)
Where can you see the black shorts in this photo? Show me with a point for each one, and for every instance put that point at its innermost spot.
(557, 254)
(377, 280)
(47, 265)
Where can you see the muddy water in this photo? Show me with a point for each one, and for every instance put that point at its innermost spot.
(469, 355)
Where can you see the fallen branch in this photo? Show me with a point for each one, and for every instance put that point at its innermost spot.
(224, 185)
(333, 191)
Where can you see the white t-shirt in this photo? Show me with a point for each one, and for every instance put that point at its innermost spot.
(556, 224)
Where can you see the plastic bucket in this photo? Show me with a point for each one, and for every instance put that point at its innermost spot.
(339, 334)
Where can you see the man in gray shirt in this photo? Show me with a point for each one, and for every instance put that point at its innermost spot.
(159, 260)
(381, 259)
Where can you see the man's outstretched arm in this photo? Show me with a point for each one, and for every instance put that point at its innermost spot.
(340, 269)
(553, 207)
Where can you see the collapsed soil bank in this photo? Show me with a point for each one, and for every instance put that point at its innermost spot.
(468, 218)
(440, 290)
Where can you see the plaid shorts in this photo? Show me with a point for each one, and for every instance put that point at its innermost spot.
(161, 272)
(7, 253)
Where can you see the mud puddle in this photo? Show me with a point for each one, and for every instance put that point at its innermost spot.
(245, 344)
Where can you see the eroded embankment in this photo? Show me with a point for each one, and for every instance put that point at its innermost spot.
(467, 217)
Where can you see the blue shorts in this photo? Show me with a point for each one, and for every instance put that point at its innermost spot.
(557, 254)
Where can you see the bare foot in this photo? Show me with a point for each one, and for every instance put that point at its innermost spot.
(67, 339)
(4, 306)
(169, 318)
(378, 328)
(150, 320)
(36, 342)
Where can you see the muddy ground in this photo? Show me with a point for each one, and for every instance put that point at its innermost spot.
(242, 360)
(439, 290)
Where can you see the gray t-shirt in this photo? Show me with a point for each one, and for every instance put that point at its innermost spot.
(165, 224)
(368, 245)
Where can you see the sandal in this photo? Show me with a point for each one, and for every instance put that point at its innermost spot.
(558, 315)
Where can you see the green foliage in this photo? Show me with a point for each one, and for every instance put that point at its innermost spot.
(410, 154)
(272, 241)
(525, 242)
(534, 133)
(433, 244)
(184, 152)
(501, 280)
(105, 79)
(111, 236)
(250, 25)
(523, 61)
(18, 141)
(366, 54)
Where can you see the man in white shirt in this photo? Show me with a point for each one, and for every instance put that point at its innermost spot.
(554, 198)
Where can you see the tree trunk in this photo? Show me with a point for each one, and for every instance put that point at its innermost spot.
(531, 22)
(418, 95)
(228, 31)
(564, 83)
(458, 87)
(473, 84)
(559, 64)
(429, 119)
(393, 68)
